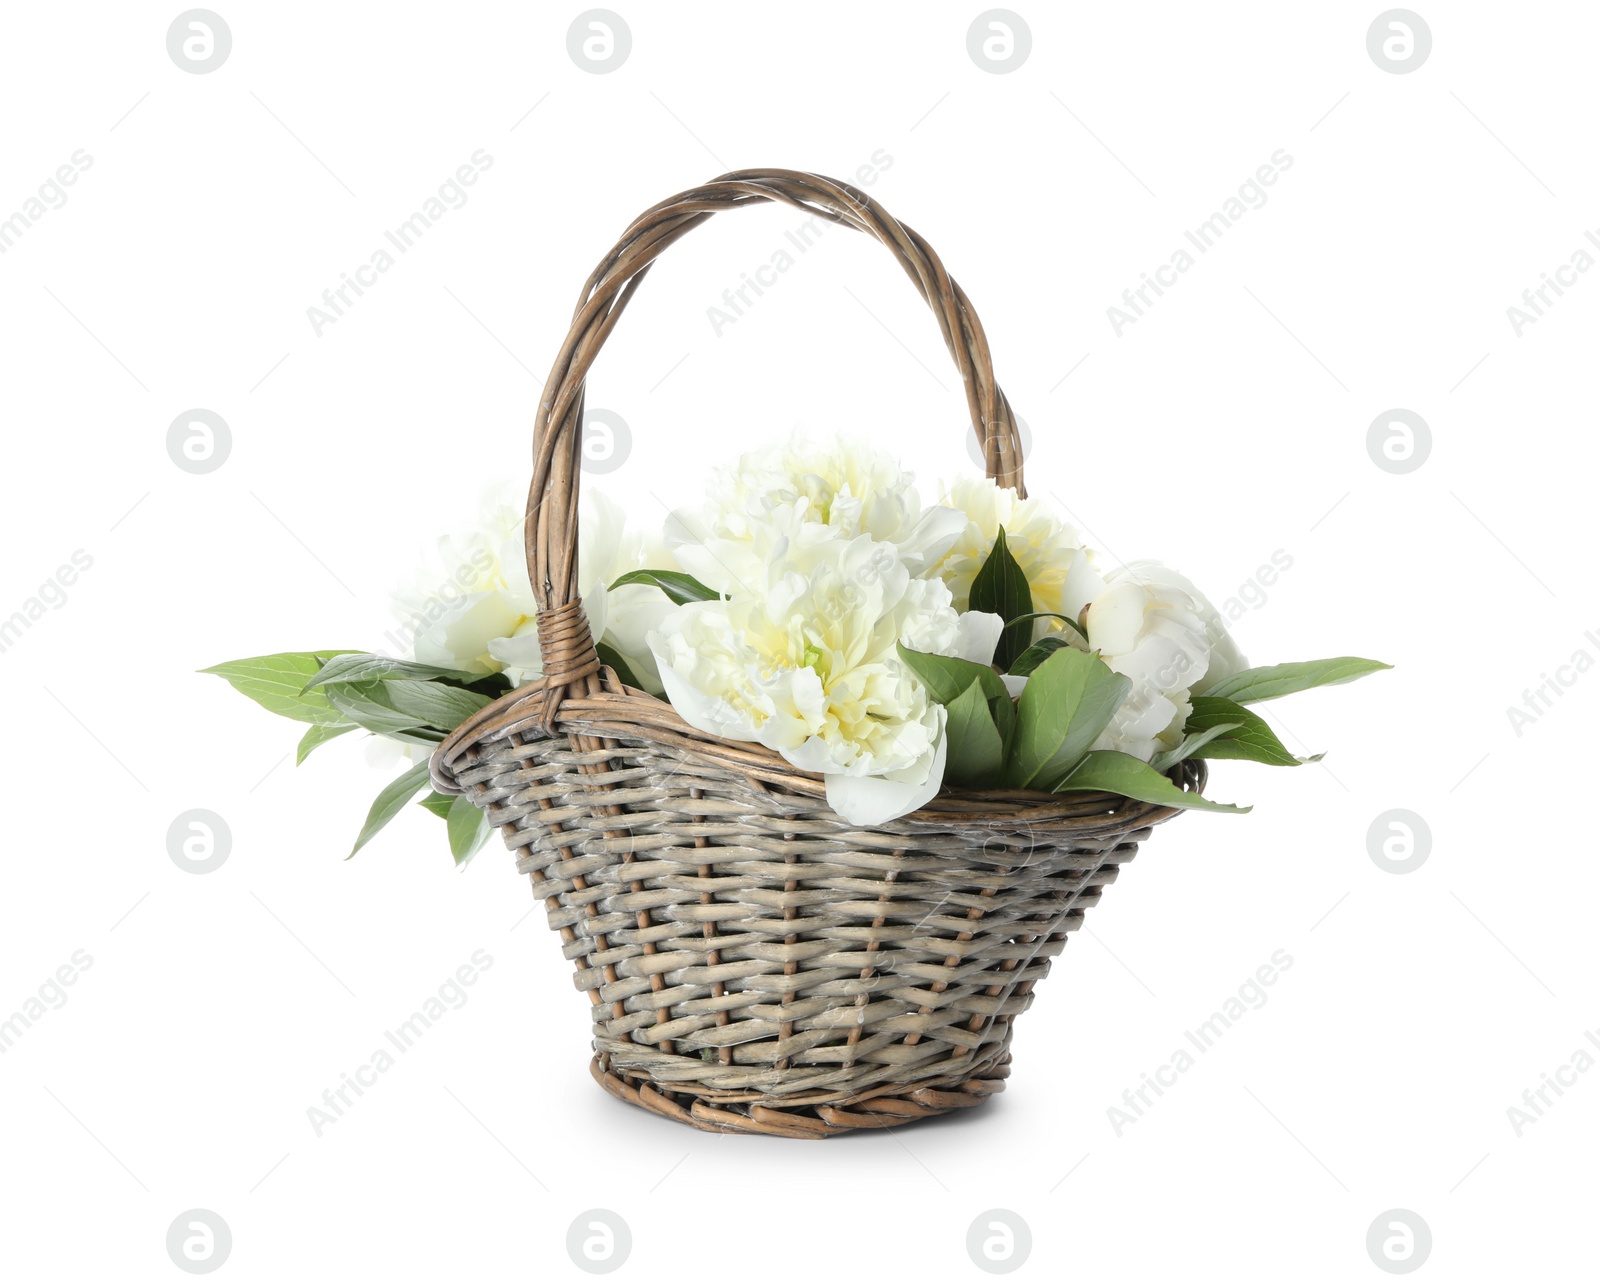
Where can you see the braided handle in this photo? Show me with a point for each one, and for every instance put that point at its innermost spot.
(551, 528)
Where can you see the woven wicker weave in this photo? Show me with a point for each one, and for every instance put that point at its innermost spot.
(755, 963)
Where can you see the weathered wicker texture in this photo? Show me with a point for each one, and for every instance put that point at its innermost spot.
(754, 962)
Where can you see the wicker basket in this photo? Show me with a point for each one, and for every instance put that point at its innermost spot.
(755, 963)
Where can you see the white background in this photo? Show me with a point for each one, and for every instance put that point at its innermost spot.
(1228, 423)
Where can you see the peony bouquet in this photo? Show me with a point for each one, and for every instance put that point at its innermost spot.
(817, 606)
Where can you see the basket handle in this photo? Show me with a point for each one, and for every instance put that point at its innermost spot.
(550, 530)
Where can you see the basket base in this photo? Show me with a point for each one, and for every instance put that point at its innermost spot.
(883, 1111)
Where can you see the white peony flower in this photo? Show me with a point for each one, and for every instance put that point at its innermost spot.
(475, 609)
(1060, 571)
(1153, 625)
(801, 658)
(845, 487)
(607, 549)
(459, 599)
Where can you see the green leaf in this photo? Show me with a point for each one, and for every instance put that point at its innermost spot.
(1067, 703)
(1118, 773)
(319, 734)
(1053, 615)
(390, 800)
(469, 829)
(436, 803)
(1272, 681)
(677, 585)
(612, 658)
(947, 677)
(974, 751)
(493, 686)
(1001, 586)
(355, 667)
(1036, 655)
(1251, 738)
(369, 705)
(1190, 746)
(277, 683)
(433, 704)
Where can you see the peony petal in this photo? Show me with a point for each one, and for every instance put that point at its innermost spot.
(977, 635)
(460, 638)
(726, 566)
(799, 704)
(1081, 586)
(873, 800)
(936, 530)
(813, 755)
(632, 612)
(1226, 658)
(708, 713)
(519, 654)
(601, 530)
(594, 602)
(684, 526)
(512, 560)
(1116, 618)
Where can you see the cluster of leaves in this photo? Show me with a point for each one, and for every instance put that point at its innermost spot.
(335, 692)
(1041, 742)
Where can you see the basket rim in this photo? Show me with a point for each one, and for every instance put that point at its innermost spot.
(622, 711)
